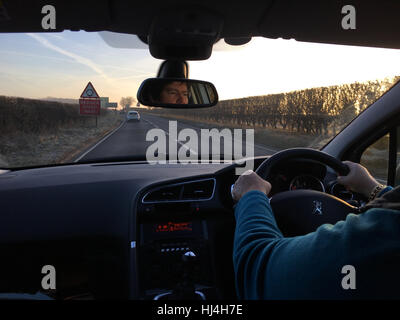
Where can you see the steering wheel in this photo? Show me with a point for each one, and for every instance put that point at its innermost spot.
(299, 212)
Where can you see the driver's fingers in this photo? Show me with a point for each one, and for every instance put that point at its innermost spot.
(350, 177)
(343, 179)
(350, 165)
(235, 191)
(246, 173)
(348, 181)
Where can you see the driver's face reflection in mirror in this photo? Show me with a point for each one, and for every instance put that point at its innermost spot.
(175, 92)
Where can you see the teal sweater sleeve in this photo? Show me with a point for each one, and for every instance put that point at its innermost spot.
(270, 266)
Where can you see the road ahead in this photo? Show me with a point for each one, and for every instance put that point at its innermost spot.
(129, 140)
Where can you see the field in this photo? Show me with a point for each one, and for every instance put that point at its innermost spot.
(35, 132)
(309, 117)
(315, 111)
(304, 118)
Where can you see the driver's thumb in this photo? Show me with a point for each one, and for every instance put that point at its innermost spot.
(342, 180)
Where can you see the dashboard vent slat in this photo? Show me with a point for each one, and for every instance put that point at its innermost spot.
(165, 194)
(199, 190)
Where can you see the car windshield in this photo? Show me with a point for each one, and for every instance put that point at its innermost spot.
(273, 95)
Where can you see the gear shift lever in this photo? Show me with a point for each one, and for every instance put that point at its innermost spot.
(185, 289)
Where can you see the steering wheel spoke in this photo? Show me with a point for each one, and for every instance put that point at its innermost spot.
(302, 211)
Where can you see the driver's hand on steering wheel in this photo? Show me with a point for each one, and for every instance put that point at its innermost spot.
(358, 179)
(249, 181)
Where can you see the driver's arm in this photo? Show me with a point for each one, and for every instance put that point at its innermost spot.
(270, 266)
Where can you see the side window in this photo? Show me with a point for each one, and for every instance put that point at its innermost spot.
(382, 158)
(376, 159)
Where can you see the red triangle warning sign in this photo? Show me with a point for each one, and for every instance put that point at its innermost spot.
(89, 92)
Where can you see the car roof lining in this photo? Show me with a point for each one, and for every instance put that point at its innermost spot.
(311, 21)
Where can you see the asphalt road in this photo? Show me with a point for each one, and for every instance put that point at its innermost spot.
(129, 140)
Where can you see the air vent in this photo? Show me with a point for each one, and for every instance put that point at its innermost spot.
(199, 190)
(164, 194)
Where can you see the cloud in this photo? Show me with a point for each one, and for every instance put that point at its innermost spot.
(30, 55)
(87, 62)
(137, 76)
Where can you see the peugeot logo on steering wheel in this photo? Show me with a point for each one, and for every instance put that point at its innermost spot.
(317, 207)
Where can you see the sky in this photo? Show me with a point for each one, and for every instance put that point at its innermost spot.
(61, 64)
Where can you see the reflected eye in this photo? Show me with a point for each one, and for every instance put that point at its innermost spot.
(172, 92)
(176, 93)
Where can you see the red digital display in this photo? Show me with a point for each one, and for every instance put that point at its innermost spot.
(173, 227)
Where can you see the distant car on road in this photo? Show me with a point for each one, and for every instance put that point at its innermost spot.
(133, 116)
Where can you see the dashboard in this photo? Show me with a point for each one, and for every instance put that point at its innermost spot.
(129, 230)
(307, 174)
(298, 174)
(87, 221)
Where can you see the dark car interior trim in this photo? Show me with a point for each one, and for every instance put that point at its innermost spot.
(312, 21)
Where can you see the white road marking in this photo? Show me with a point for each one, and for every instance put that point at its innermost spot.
(156, 126)
(102, 140)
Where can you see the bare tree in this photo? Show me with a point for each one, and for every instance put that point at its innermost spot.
(126, 102)
(315, 111)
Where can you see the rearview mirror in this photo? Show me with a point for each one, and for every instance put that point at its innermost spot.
(177, 93)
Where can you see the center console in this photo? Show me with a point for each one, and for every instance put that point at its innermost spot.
(184, 241)
(165, 248)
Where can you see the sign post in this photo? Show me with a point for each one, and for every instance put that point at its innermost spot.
(89, 102)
